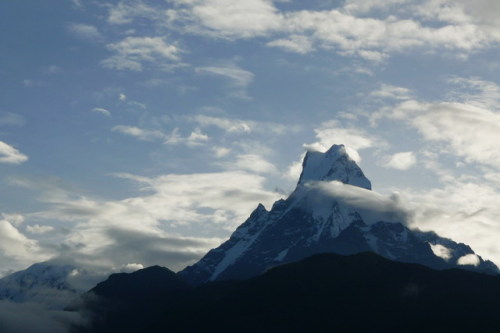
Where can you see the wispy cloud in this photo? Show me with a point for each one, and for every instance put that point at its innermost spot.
(227, 124)
(195, 138)
(251, 162)
(102, 111)
(85, 32)
(242, 126)
(8, 118)
(125, 12)
(392, 92)
(11, 155)
(133, 53)
(239, 78)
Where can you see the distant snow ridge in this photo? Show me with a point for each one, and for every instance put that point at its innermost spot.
(309, 222)
(42, 283)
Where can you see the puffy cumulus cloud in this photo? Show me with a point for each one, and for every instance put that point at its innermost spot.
(131, 267)
(228, 19)
(352, 35)
(482, 13)
(372, 206)
(85, 32)
(469, 259)
(372, 30)
(401, 161)
(33, 318)
(354, 139)
(11, 155)
(133, 52)
(441, 251)
(17, 250)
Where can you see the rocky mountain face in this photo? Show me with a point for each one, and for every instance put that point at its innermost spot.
(309, 222)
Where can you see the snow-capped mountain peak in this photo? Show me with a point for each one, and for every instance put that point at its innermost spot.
(44, 283)
(334, 164)
(310, 222)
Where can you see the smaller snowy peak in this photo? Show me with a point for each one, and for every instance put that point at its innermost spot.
(42, 283)
(334, 164)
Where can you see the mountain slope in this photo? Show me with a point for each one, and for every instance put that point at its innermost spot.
(43, 283)
(323, 293)
(310, 222)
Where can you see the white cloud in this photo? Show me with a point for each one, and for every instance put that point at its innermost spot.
(468, 126)
(295, 43)
(401, 161)
(441, 251)
(39, 229)
(221, 151)
(295, 169)
(17, 250)
(131, 267)
(153, 228)
(125, 12)
(227, 124)
(333, 132)
(465, 211)
(365, 6)
(239, 76)
(469, 259)
(141, 134)
(133, 52)
(11, 155)
(233, 125)
(229, 19)
(251, 162)
(468, 131)
(372, 29)
(102, 111)
(372, 206)
(393, 92)
(85, 32)
(476, 92)
(195, 138)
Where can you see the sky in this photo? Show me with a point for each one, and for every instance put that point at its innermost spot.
(138, 132)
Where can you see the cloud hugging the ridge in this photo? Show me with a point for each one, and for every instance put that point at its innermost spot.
(372, 206)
